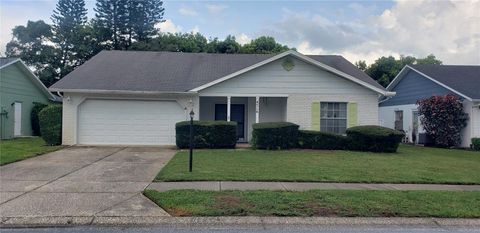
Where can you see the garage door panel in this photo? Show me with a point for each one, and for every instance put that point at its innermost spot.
(128, 122)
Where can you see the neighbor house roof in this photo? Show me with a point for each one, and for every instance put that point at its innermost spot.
(178, 72)
(463, 80)
(6, 62)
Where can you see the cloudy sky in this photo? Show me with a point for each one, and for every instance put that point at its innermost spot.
(357, 30)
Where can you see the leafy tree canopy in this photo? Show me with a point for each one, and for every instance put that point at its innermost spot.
(384, 69)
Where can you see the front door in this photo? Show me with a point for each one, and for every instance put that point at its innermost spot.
(237, 114)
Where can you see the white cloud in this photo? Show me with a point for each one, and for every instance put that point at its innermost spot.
(305, 48)
(169, 26)
(449, 30)
(242, 39)
(195, 29)
(184, 10)
(216, 8)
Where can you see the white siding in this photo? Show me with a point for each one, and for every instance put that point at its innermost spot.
(476, 120)
(387, 118)
(473, 128)
(299, 107)
(304, 84)
(71, 102)
(272, 78)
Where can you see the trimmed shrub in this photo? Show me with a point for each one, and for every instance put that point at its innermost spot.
(50, 119)
(37, 107)
(308, 139)
(275, 135)
(207, 134)
(476, 143)
(374, 138)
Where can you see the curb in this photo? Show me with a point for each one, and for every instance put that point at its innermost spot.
(20, 222)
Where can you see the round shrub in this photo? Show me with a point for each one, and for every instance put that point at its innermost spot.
(275, 135)
(37, 107)
(374, 138)
(308, 139)
(50, 119)
(207, 134)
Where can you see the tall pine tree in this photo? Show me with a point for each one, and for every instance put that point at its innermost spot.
(69, 22)
(124, 21)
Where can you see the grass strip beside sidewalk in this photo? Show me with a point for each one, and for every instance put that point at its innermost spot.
(341, 203)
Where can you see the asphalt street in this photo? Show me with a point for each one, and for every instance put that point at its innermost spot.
(250, 229)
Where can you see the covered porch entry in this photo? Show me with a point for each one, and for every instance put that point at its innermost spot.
(245, 110)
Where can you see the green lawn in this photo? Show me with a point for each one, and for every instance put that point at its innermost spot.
(346, 203)
(410, 165)
(23, 148)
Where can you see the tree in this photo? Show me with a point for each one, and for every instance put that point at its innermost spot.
(430, 59)
(143, 16)
(122, 22)
(229, 45)
(112, 20)
(69, 22)
(264, 45)
(33, 44)
(361, 65)
(385, 69)
(443, 119)
(178, 42)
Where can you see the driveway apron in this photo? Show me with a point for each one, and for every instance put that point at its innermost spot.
(82, 181)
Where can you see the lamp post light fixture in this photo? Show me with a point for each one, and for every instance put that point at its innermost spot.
(190, 163)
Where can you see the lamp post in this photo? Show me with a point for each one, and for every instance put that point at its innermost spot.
(190, 163)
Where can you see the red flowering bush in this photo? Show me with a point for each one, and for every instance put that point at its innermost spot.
(443, 119)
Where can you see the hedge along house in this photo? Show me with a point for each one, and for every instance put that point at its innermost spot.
(20, 89)
(135, 98)
(416, 82)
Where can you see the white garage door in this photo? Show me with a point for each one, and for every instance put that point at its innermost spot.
(128, 122)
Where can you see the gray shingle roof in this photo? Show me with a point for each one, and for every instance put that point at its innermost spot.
(172, 71)
(464, 79)
(6, 60)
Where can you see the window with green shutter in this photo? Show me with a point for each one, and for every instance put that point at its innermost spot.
(333, 117)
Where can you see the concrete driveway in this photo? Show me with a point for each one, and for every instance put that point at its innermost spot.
(82, 181)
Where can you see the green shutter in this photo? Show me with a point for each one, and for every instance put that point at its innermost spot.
(352, 115)
(316, 116)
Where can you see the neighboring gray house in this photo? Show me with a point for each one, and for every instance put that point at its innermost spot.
(416, 82)
(20, 89)
(135, 98)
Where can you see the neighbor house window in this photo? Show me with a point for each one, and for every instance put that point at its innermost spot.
(333, 117)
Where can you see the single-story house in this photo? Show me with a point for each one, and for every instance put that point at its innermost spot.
(20, 89)
(416, 82)
(135, 98)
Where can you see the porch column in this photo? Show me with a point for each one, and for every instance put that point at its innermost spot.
(229, 101)
(257, 109)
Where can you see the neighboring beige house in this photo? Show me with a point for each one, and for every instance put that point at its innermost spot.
(135, 98)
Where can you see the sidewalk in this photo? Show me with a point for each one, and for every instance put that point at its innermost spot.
(302, 186)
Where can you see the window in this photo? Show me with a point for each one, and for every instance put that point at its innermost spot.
(333, 117)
